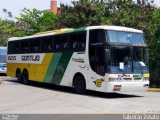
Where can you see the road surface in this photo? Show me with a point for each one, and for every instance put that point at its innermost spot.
(40, 98)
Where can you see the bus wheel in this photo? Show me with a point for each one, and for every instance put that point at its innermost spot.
(19, 75)
(25, 77)
(79, 84)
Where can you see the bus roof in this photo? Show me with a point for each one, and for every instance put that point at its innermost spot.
(70, 30)
(117, 28)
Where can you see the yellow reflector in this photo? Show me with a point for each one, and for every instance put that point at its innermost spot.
(146, 75)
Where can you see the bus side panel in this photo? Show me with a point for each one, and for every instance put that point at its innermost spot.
(36, 71)
(12, 67)
(57, 67)
(52, 67)
(77, 64)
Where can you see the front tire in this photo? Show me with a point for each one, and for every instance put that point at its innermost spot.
(79, 84)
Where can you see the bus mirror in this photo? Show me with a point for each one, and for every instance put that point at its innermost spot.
(121, 65)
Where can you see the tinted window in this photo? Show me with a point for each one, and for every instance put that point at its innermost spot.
(46, 44)
(65, 43)
(35, 45)
(78, 41)
(25, 47)
(56, 43)
(97, 36)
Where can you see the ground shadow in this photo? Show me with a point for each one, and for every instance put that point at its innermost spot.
(71, 90)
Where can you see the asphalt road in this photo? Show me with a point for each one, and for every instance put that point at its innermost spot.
(40, 98)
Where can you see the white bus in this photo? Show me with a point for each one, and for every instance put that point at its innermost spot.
(99, 58)
(3, 55)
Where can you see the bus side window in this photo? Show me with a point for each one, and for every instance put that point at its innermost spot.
(78, 41)
(73, 42)
(97, 36)
(25, 46)
(57, 43)
(17, 47)
(81, 41)
(11, 47)
(46, 44)
(65, 42)
(35, 45)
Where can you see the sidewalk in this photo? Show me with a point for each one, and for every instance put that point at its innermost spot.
(154, 89)
(1, 82)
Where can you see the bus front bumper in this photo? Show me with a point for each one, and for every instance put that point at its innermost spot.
(130, 86)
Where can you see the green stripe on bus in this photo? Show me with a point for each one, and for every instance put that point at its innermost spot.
(61, 67)
(52, 67)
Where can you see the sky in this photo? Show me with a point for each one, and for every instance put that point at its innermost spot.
(15, 6)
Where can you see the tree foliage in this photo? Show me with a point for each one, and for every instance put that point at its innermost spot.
(37, 20)
(81, 13)
(6, 31)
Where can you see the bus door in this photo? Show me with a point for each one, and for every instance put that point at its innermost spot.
(97, 63)
(100, 60)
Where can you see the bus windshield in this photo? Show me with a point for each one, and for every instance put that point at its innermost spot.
(125, 37)
(126, 59)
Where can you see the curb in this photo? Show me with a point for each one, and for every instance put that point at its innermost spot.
(154, 89)
(1, 82)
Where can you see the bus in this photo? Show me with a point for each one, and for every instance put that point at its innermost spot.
(99, 58)
(3, 55)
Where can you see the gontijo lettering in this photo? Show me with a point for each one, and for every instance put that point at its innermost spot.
(30, 58)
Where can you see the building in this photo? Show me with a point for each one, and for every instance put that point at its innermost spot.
(54, 7)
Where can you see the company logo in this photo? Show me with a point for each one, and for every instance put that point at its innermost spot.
(30, 58)
(124, 76)
(137, 76)
(98, 82)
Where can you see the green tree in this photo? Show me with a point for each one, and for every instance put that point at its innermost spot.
(37, 20)
(6, 30)
(81, 13)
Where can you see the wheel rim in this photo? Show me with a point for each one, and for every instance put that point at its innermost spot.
(79, 85)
